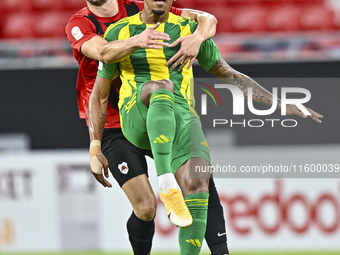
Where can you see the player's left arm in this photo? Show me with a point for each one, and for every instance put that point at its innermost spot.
(190, 44)
(228, 75)
(206, 23)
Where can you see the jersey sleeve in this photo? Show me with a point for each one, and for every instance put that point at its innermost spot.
(176, 11)
(79, 30)
(108, 71)
(208, 54)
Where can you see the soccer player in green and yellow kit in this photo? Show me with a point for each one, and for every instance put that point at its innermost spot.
(157, 111)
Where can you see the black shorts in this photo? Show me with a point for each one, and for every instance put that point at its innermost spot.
(126, 161)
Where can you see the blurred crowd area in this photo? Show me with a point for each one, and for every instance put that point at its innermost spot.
(247, 30)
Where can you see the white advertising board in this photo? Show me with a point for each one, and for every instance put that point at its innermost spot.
(49, 201)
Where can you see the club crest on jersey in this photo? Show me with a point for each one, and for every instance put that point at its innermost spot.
(77, 34)
(123, 168)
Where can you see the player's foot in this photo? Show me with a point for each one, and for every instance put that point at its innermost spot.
(176, 208)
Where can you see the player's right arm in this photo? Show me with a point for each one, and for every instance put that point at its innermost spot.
(110, 52)
(83, 38)
(114, 51)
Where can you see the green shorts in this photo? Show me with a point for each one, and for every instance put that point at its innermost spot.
(189, 141)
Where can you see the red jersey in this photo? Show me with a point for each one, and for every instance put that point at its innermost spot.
(82, 28)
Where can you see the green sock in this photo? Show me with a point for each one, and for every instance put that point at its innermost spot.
(161, 128)
(191, 238)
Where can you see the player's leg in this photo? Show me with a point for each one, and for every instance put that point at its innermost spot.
(128, 166)
(215, 235)
(140, 226)
(158, 97)
(196, 194)
(191, 150)
(161, 126)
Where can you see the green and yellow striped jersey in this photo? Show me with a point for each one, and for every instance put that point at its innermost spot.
(150, 64)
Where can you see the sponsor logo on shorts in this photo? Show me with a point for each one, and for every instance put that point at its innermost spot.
(205, 143)
(123, 168)
(219, 234)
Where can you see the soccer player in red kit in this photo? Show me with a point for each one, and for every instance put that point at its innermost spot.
(127, 162)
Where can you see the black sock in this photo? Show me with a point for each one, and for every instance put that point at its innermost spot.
(140, 234)
(215, 235)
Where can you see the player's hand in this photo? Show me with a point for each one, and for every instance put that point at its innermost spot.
(98, 162)
(190, 46)
(148, 39)
(294, 110)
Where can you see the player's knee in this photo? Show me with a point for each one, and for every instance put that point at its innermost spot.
(146, 210)
(152, 86)
(165, 84)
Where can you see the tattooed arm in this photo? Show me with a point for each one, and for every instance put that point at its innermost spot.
(97, 116)
(228, 75)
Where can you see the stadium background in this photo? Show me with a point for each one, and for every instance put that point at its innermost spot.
(49, 202)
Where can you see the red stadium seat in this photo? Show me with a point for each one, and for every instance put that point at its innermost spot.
(18, 25)
(229, 49)
(217, 3)
(283, 18)
(15, 6)
(249, 19)
(309, 2)
(316, 18)
(224, 17)
(51, 24)
(276, 2)
(336, 19)
(46, 5)
(187, 4)
(74, 5)
(244, 2)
